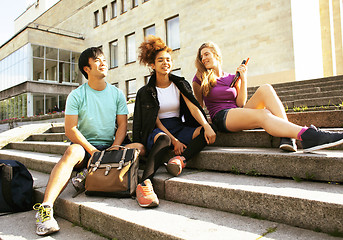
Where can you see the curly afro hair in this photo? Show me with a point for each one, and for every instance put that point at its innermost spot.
(150, 48)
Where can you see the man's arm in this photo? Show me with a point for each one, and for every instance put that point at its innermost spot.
(74, 135)
(121, 129)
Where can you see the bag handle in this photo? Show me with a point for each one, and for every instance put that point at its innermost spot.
(114, 146)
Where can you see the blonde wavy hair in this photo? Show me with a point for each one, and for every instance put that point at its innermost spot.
(206, 76)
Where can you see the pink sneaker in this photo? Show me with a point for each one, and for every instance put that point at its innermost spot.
(175, 165)
(145, 195)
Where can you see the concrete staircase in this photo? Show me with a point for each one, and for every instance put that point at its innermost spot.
(243, 187)
(316, 94)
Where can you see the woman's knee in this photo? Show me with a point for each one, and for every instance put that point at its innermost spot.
(138, 146)
(163, 137)
(266, 89)
(262, 115)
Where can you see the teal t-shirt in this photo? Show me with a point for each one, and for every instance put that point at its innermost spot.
(97, 111)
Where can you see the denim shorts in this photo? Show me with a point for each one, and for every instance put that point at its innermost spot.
(88, 156)
(219, 120)
(175, 126)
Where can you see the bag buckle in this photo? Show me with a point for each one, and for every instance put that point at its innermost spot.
(121, 163)
(97, 164)
(108, 169)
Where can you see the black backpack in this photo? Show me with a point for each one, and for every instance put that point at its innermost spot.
(16, 187)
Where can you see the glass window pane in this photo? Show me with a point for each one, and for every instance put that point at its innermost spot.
(64, 56)
(114, 9)
(51, 70)
(64, 72)
(130, 48)
(38, 69)
(134, 3)
(38, 51)
(177, 72)
(51, 53)
(131, 88)
(149, 31)
(114, 54)
(173, 33)
(123, 6)
(96, 18)
(104, 14)
(76, 74)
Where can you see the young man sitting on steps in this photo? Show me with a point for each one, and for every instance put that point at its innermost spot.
(95, 119)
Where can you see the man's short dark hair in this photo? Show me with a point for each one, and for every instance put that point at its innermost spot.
(92, 52)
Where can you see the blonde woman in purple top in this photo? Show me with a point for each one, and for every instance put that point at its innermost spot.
(230, 110)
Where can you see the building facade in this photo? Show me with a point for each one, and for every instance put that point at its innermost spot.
(286, 40)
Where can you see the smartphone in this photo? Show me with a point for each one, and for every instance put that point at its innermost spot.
(238, 74)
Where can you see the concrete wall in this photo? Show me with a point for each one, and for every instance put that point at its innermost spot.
(261, 30)
(264, 30)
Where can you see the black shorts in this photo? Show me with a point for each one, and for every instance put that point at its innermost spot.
(219, 120)
(88, 156)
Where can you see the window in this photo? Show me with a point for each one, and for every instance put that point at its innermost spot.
(130, 88)
(123, 6)
(104, 14)
(173, 33)
(130, 48)
(149, 31)
(134, 3)
(114, 54)
(177, 72)
(114, 9)
(146, 79)
(96, 18)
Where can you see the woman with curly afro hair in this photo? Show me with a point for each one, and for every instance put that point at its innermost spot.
(166, 113)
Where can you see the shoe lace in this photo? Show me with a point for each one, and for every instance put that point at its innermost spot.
(44, 213)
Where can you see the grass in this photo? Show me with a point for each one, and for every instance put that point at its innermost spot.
(268, 230)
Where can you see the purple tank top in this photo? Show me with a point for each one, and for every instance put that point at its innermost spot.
(221, 96)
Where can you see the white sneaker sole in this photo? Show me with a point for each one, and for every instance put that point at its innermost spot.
(323, 146)
(287, 148)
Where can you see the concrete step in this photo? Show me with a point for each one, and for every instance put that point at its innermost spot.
(248, 138)
(322, 119)
(258, 138)
(314, 102)
(305, 84)
(43, 147)
(49, 137)
(325, 165)
(124, 219)
(312, 95)
(21, 226)
(307, 92)
(306, 204)
(42, 162)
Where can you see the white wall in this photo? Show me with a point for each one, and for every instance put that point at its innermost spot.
(307, 39)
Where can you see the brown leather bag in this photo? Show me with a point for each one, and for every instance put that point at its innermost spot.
(113, 173)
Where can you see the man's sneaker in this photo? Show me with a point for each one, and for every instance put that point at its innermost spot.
(79, 180)
(45, 222)
(175, 165)
(145, 195)
(314, 139)
(288, 144)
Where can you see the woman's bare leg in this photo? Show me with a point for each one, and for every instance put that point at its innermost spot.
(265, 97)
(244, 118)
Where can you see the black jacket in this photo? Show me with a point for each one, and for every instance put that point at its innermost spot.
(147, 107)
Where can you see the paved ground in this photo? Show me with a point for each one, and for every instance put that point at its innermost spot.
(21, 226)
(5, 126)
